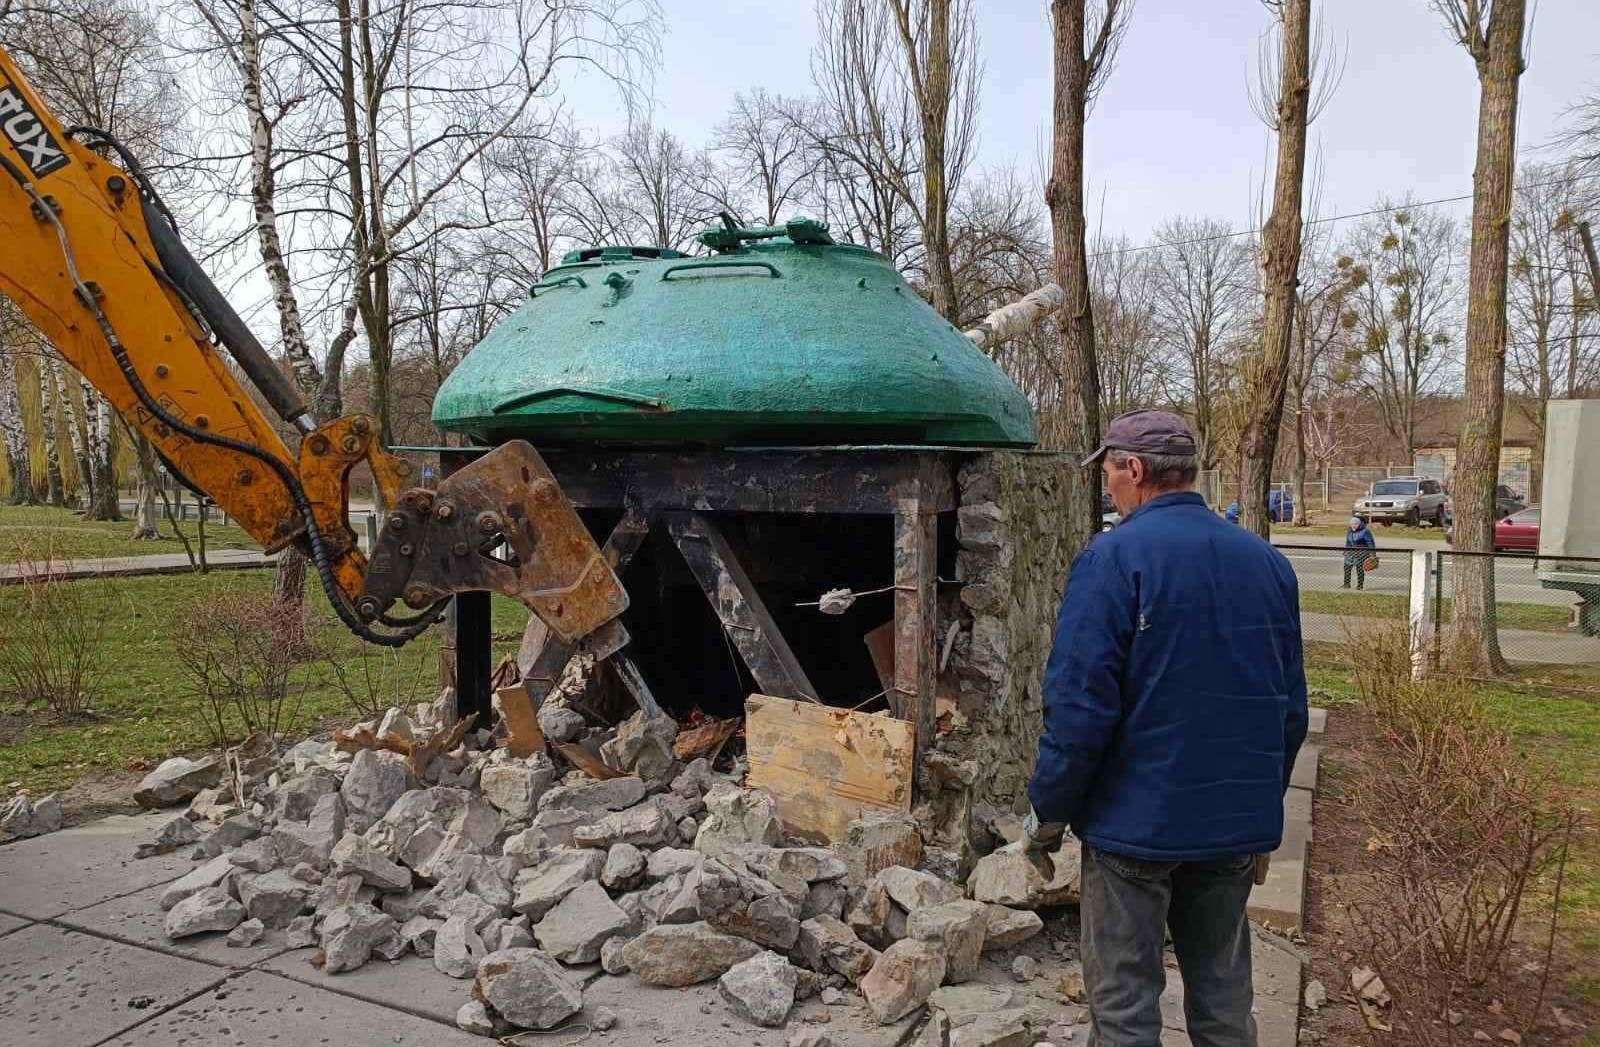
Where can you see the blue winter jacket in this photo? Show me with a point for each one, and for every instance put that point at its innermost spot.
(1175, 694)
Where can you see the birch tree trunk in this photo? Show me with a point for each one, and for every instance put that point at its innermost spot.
(1075, 75)
(15, 433)
(146, 517)
(76, 435)
(1496, 49)
(1266, 376)
(101, 447)
(47, 420)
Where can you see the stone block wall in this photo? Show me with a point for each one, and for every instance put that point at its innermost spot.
(1012, 561)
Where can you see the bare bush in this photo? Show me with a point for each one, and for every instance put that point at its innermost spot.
(50, 641)
(1463, 831)
(374, 679)
(239, 652)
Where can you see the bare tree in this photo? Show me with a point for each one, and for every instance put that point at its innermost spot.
(1084, 49)
(1313, 372)
(1401, 303)
(1134, 366)
(660, 187)
(898, 86)
(1205, 278)
(1492, 34)
(1552, 349)
(768, 154)
(1285, 106)
(55, 488)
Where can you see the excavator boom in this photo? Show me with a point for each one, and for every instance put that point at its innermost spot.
(91, 256)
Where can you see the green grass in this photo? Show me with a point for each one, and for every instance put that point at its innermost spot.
(40, 532)
(1531, 616)
(140, 710)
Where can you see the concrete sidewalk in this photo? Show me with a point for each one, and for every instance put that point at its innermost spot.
(138, 566)
(84, 963)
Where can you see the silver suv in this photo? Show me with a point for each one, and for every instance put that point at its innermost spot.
(1407, 499)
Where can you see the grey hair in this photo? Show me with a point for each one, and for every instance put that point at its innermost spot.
(1166, 471)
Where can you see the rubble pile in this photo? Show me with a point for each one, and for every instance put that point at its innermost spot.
(512, 873)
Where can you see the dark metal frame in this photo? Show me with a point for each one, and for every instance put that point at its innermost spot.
(686, 489)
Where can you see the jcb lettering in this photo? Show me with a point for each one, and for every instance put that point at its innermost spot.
(28, 136)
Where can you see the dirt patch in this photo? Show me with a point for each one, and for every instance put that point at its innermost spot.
(100, 793)
(1337, 859)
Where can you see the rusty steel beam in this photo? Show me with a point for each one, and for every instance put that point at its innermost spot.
(738, 606)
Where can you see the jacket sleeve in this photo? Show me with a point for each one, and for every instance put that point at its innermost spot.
(1294, 667)
(1082, 685)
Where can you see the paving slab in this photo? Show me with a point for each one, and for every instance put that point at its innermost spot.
(257, 1009)
(1307, 765)
(11, 923)
(411, 984)
(137, 919)
(1276, 975)
(1281, 900)
(50, 875)
(698, 1015)
(1318, 722)
(60, 988)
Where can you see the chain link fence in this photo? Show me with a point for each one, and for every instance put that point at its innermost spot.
(1343, 593)
(1538, 624)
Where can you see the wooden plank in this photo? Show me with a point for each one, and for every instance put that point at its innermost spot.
(738, 606)
(916, 578)
(524, 736)
(827, 767)
(842, 480)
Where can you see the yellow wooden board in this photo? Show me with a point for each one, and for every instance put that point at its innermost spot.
(827, 767)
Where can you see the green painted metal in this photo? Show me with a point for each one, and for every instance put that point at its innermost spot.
(769, 341)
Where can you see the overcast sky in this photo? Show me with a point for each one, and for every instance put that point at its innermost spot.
(1173, 132)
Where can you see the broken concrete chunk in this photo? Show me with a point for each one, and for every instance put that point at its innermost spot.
(685, 954)
(642, 746)
(903, 978)
(473, 1017)
(214, 873)
(672, 860)
(644, 825)
(274, 898)
(869, 916)
(748, 906)
(1024, 968)
(527, 988)
(828, 944)
(404, 906)
(396, 725)
(510, 934)
(962, 1003)
(560, 724)
(611, 958)
(761, 989)
(295, 799)
(1008, 927)
(826, 898)
(419, 932)
(876, 842)
(540, 888)
(246, 934)
(624, 868)
(1007, 1028)
(457, 948)
(210, 909)
(312, 842)
(177, 781)
(579, 924)
(735, 818)
(613, 794)
(234, 830)
(809, 1038)
(376, 779)
(1007, 877)
(913, 890)
(258, 855)
(811, 864)
(302, 932)
(177, 832)
(354, 855)
(515, 787)
(349, 935)
(957, 928)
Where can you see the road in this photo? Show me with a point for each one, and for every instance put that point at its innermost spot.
(1514, 578)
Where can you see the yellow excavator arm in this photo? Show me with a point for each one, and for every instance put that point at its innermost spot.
(91, 256)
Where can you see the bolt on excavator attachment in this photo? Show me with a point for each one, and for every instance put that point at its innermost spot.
(498, 525)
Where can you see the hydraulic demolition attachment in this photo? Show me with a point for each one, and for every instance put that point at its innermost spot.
(91, 255)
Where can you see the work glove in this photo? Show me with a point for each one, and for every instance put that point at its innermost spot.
(1042, 839)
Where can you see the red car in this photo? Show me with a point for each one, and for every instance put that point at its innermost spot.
(1518, 532)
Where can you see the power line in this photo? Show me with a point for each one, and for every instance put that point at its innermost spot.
(1412, 206)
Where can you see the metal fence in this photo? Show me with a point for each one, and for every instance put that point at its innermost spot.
(1537, 625)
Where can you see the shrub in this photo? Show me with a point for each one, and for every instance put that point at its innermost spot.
(239, 652)
(373, 678)
(1461, 829)
(50, 650)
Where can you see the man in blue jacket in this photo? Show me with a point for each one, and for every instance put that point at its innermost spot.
(1174, 705)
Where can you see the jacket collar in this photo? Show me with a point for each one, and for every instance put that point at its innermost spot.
(1162, 501)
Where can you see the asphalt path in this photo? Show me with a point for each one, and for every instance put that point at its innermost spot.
(1514, 577)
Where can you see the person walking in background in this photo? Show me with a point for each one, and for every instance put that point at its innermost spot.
(1358, 543)
(1174, 705)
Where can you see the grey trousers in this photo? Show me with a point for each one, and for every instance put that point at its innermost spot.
(1128, 905)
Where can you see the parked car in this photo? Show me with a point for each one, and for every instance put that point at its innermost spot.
(1518, 532)
(1280, 507)
(1506, 502)
(1403, 499)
